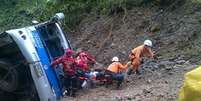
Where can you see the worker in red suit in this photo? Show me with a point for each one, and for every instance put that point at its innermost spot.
(83, 59)
(68, 62)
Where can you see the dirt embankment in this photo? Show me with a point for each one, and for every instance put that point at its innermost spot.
(159, 81)
(175, 32)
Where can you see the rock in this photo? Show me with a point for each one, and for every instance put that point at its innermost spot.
(119, 99)
(123, 52)
(167, 62)
(180, 61)
(116, 98)
(189, 67)
(139, 77)
(89, 41)
(112, 45)
(146, 91)
(170, 73)
(129, 98)
(168, 68)
(187, 63)
(161, 95)
(155, 28)
(149, 81)
(181, 57)
(98, 66)
(170, 59)
(161, 66)
(139, 13)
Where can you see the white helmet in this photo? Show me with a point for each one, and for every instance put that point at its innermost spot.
(115, 59)
(148, 43)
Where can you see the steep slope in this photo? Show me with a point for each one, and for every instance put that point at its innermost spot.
(174, 30)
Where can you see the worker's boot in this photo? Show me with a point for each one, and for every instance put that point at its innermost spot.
(106, 84)
(67, 92)
(129, 72)
(108, 80)
(138, 72)
(118, 84)
(73, 92)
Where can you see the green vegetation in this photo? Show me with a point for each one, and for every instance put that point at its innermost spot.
(19, 13)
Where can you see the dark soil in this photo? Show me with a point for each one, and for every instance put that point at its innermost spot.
(174, 31)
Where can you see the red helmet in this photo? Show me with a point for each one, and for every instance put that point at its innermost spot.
(69, 52)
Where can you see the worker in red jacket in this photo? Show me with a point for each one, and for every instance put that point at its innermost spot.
(68, 62)
(83, 59)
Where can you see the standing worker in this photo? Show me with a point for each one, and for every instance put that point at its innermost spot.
(115, 69)
(69, 81)
(137, 53)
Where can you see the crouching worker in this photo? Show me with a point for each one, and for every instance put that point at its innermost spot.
(83, 60)
(69, 80)
(115, 70)
(137, 53)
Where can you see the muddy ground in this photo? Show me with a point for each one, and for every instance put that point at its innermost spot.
(174, 31)
(159, 81)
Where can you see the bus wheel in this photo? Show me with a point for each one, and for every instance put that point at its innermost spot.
(8, 77)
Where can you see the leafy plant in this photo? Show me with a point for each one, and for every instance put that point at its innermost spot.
(18, 13)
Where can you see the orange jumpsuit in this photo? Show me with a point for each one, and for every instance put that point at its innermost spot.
(137, 53)
(116, 67)
(115, 72)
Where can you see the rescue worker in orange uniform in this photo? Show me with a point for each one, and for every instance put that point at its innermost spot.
(137, 53)
(115, 70)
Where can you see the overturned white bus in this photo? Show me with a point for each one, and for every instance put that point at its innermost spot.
(25, 57)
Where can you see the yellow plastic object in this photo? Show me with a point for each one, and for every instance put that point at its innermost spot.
(191, 90)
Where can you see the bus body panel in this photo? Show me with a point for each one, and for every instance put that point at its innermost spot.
(38, 75)
(39, 51)
(43, 55)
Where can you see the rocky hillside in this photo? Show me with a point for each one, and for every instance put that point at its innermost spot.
(112, 28)
(174, 29)
(107, 28)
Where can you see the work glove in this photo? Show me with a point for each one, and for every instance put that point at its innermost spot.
(128, 63)
(96, 63)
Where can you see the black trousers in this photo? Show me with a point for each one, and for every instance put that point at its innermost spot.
(70, 83)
